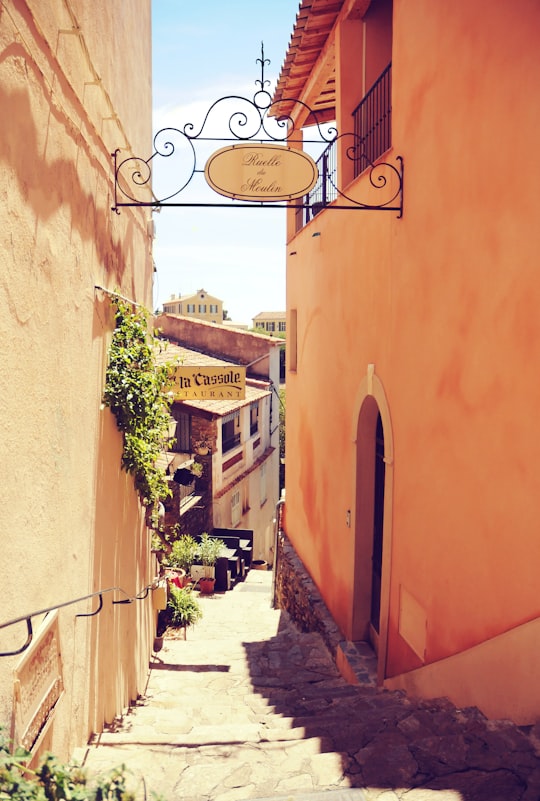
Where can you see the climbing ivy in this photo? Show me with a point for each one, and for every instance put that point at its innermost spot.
(136, 390)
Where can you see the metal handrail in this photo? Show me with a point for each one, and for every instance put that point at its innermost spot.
(99, 593)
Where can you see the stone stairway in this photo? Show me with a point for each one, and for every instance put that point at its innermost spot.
(249, 707)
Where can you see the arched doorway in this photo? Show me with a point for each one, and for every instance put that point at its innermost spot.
(373, 506)
(378, 533)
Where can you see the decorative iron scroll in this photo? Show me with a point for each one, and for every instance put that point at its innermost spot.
(183, 152)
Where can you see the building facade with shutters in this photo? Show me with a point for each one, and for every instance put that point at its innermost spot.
(200, 306)
(271, 323)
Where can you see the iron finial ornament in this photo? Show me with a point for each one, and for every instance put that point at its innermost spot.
(262, 61)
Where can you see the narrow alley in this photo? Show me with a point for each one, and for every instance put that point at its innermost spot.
(248, 707)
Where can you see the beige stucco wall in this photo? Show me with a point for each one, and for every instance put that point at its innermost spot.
(70, 519)
(500, 676)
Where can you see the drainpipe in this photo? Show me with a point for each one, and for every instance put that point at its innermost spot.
(277, 531)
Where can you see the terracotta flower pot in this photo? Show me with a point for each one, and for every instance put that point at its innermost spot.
(206, 585)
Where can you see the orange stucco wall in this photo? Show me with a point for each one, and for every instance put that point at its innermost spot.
(70, 518)
(443, 303)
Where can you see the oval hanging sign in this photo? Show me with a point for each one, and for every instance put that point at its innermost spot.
(261, 172)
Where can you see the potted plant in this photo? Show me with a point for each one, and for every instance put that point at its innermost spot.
(181, 557)
(207, 584)
(185, 609)
(208, 551)
(202, 446)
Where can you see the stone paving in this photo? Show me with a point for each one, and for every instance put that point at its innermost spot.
(248, 707)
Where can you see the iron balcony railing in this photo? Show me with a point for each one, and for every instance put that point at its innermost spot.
(325, 190)
(373, 123)
(372, 128)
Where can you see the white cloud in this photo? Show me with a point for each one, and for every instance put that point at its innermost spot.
(202, 54)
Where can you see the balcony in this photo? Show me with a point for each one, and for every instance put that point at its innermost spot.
(373, 123)
(324, 191)
(372, 128)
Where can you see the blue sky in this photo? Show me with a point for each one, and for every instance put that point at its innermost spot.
(203, 51)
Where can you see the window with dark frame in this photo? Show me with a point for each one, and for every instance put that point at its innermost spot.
(230, 431)
(182, 433)
(253, 418)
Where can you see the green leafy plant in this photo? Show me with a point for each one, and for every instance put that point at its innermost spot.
(209, 549)
(185, 608)
(183, 553)
(136, 390)
(61, 781)
(54, 781)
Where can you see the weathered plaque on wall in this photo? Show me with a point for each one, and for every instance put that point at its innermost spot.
(210, 383)
(38, 684)
(266, 173)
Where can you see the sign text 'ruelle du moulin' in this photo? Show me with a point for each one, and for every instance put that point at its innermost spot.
(270, 173)
(210, 383)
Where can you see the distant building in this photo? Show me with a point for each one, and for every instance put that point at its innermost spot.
(239, 487)
(271, 322)
(200, 306)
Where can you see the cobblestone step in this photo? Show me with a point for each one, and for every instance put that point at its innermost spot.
(249, 707)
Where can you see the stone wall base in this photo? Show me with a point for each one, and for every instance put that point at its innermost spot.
(297, 594)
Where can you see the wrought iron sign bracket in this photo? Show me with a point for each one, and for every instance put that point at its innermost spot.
(258, 137)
